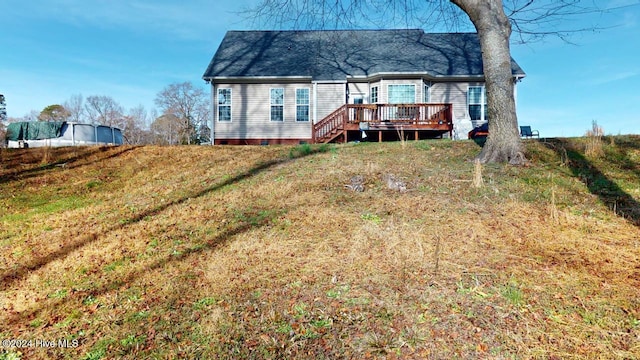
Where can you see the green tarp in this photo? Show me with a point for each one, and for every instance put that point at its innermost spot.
(34, 130)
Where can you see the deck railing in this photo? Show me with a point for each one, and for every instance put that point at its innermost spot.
(422, 116)
(418, 114)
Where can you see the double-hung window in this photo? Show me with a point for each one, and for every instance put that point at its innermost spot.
(302, 104)
(374, 95)
(224, 104)
(402, 94)
(477, 103)
(426, 95)
(277, 104)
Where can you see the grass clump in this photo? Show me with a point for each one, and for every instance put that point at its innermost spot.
(594, 146)
(308, 149)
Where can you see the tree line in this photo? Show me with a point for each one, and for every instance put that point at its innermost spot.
(181, 118)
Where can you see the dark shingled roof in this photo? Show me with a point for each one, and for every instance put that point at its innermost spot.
(335, 55)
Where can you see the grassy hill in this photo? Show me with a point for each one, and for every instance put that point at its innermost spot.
(262, 252)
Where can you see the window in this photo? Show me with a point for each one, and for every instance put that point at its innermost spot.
(402, 94)
(302, 104)
(374, 95)
(224, 104)
(477, 103)
(426, 95)
(277, 104)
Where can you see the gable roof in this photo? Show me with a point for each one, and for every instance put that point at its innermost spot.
(339, 54)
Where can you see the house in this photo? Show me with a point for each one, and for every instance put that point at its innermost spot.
(273, 87)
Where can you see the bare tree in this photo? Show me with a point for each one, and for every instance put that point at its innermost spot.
(494, 30)
(75, 107)
(187, 103)
(492, 19)
(30, 116)
(163, 129)
(104, 110)
(135, 125)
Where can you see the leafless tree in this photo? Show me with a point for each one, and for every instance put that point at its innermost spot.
(135, 126)
(187, 103)
(32, 115)
(75, 107)
(163, 130)
(104, 110)
(493, 20)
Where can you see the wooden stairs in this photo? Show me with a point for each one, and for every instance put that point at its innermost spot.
(331, 127)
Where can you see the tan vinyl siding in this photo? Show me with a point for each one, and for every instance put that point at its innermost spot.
(250, 113)
(330, 97)
(455, 93)
(360, 90)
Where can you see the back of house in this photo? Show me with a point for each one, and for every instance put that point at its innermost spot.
(271, 87)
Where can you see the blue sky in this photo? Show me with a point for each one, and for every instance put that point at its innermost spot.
(131, 49)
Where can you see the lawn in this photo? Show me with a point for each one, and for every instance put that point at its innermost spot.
(263, 252)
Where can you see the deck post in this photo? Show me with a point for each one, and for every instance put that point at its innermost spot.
(379, 135)
(416, 135)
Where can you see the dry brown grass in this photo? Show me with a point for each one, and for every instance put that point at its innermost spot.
(594, 147)
(249, 252)
(477, 174)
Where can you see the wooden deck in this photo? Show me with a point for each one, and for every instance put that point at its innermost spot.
(410, 119)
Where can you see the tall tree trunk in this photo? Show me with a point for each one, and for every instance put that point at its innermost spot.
(494, 29)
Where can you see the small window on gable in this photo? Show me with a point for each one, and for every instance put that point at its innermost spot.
(224, 104)
(302, 104)
(277, 104)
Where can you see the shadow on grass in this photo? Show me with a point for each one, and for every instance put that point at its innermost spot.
(9, 278)
(608, 191)
(67, 163)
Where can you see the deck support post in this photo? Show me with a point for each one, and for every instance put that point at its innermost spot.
(417, 136)
(379, 136)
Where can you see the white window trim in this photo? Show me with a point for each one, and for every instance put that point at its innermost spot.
(230, 105)
(281, 105)
(415, 94)
(308, 104)
(426, 95)
(377, 92)
(483, 102)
